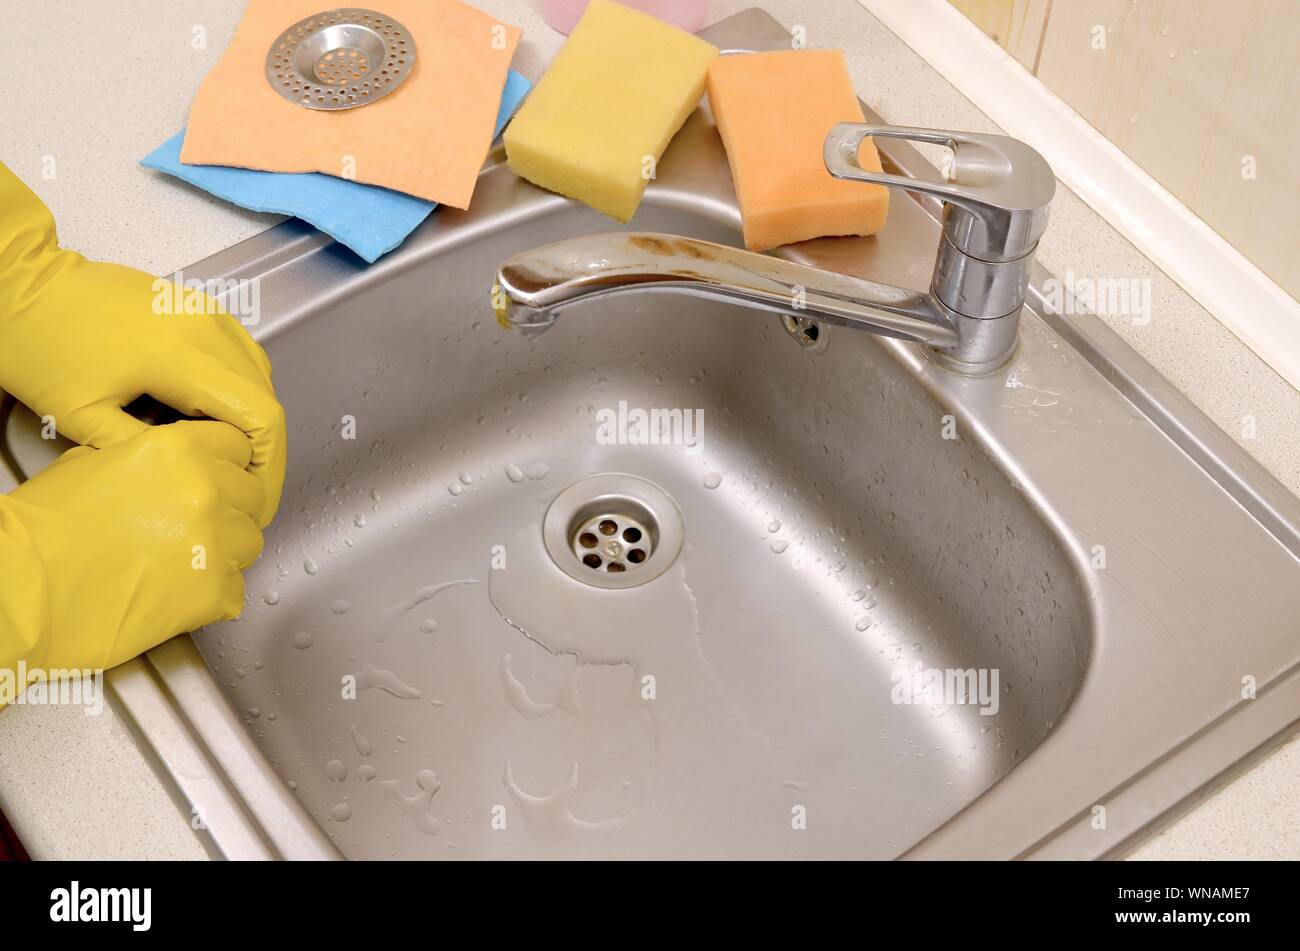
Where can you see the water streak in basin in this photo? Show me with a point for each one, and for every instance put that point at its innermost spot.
(360, 742)
(416, 807)
(372, 678)
(704, 747)
(517, 694)
(393, 616)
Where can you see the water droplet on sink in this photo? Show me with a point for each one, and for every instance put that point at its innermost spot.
(303, 640)
(538, 470)
(367, 772)
(341, 812)
(514, 473)
(428, 625)
(455, 488)
(863, 624)
(465, 477)
(359, 521)
(310, 566)
(779, 546)
(340, 607)
(271, 597)
(712, 480)
(374, 494)
(336, 771)
(774, 525)
(859, 594)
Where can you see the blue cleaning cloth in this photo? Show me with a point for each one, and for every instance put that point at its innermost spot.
(367, 218)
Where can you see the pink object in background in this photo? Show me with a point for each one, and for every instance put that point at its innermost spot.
(563, 15)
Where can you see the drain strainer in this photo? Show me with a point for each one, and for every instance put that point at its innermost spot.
(613, 531)
(340, 59)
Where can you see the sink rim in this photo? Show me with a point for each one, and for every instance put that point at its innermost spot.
(1168, 782)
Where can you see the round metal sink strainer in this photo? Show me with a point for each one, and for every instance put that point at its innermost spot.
(613, 531)
(340, 59)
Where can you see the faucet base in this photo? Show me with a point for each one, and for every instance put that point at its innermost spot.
(962, 368)
(984, 344)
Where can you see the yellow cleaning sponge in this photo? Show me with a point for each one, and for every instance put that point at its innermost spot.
(602, 115)
(773, 111)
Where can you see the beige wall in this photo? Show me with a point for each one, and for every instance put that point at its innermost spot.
(1202, 94)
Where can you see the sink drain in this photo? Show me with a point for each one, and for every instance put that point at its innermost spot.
(613, 531)
(340, 59)
(810, 335)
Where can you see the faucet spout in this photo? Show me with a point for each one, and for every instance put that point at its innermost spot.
(533, 288)
(995, 211)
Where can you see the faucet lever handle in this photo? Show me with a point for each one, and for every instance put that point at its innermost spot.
(996, 198)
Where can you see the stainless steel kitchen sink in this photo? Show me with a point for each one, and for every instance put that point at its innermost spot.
(418, 674)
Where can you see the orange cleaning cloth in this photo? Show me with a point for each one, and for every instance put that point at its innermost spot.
(428, 138)
(773, 111)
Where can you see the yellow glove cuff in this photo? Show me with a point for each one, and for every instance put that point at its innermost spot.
(25, 609)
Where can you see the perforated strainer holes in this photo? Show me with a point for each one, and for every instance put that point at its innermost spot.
(606, 541)
(340, 59)
(337, 67)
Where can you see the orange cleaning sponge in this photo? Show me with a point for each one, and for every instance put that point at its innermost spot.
(774, 111)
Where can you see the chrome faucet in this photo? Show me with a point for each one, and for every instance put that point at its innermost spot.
(995, 210)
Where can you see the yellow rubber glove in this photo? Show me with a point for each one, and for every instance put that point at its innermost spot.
(80, 339)
(109, 552)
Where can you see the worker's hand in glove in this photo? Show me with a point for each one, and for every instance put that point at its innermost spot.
(79, 340)
(118, 549)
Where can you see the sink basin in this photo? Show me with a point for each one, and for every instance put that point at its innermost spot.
(832, 536)
(879, 609)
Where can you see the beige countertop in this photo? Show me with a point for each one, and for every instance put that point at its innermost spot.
(76, 786)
